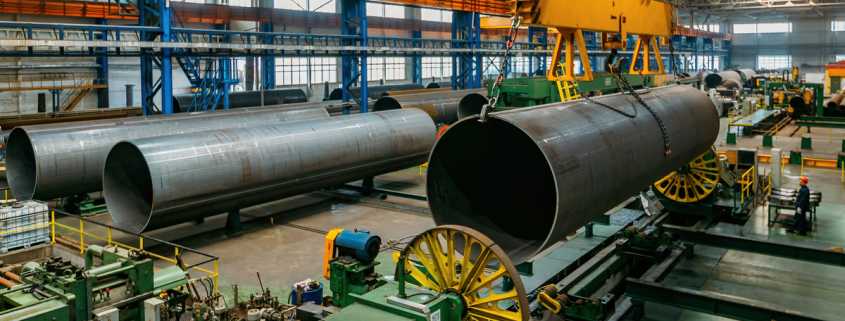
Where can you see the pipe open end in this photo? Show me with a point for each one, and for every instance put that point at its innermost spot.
(471, 105)
(386, 103)
(127, 187)
(21, 167)
(713, 80)
(494, 178)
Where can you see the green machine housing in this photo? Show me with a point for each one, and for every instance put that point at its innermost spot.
(532, 91)
(57, 290)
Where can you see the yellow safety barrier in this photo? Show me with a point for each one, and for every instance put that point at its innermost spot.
(746, 183)
(88, 237)
(842, 172)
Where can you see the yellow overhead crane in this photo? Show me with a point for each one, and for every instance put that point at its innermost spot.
(615, 19)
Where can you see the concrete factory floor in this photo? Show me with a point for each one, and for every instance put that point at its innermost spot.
(283, 241)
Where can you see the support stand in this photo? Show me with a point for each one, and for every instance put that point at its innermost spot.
(233, 222)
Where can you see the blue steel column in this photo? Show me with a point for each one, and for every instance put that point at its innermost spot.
(268, 61)
(102, 70)
(166, 64)
(466, 34)
(353, 25)
(224, 76)
(416, 60)
(539, 37)
(145, 17)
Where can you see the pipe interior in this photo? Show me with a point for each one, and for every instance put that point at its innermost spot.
(471, 105)
(493, 177)
(127, 187)
(386, 103)
(21, 171)
(713, 80)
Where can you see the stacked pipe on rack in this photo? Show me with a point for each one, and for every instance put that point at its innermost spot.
(156, 182)
(50, 161)
(568, 163)
(730, 79)
(442, 106)
(244, 99)
(376, 92)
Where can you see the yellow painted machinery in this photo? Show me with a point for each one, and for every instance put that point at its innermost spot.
(714, 185)
(648, 20)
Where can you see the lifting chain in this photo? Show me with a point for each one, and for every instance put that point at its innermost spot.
(495, 91)
(623, 85)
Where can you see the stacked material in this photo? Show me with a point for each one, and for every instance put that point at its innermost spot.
(49, 161)
(23, 224)
(245, 99)
(442, 106)
(786, 197)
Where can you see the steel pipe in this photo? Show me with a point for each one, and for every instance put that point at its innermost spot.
(157, 182)
(245, 99)
(835, 101)
(49, 161)
(729, 79)
(528, 177)
(443, 107)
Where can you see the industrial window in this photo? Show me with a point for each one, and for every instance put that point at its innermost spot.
(385, 10)
(436, 15)
(294, 70)
(329, 6)
(774, 62)
(839, 58)
(520, 65)
(240, 3)
(774, 27)
(576, 65)
(436, 67)
(385, 68)
(491, 66)
(323, 69)
(837, 25)
(767, 27)
(713, 27)
(708, 62)
(740, 28)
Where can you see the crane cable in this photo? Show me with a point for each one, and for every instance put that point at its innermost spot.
(624, 86)
(495, 91)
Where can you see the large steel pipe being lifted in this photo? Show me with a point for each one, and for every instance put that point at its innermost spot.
(441, 106)
(528, 177)
(157, 182)
(49, 161)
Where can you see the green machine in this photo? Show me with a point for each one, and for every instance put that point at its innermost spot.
(532, 91)
(114, 284)
(424, 289)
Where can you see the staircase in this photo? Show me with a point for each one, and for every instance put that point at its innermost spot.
(567, 89)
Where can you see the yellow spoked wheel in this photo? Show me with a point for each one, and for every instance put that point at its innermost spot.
(693, 182)
(463, 261)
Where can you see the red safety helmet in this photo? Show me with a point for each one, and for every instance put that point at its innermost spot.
(804, 180)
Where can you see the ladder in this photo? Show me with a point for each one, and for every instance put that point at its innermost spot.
(567, 88)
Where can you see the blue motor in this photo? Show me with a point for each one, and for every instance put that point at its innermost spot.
(359, 244)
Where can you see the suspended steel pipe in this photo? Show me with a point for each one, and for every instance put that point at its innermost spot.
(156, 182)
(50, 161)
(443, 107)
(528, 177)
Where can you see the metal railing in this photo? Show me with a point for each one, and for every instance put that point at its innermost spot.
(746, 184)
(80, 238)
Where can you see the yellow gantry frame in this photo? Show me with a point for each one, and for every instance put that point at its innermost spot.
(648, 19)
